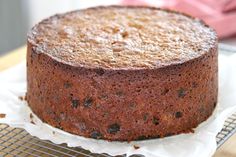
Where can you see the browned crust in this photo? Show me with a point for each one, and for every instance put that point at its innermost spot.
(122, 104)
(30, 36)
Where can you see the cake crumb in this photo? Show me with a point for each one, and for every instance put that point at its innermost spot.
(31, 116)
(2, 115)
(53, 132)
(22, 98)
(136, 147)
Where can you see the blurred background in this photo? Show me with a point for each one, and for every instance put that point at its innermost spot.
(18, 16)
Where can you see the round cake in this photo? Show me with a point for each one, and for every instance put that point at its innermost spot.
(122, 73)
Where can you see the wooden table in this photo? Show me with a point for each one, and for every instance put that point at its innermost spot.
(226, 150)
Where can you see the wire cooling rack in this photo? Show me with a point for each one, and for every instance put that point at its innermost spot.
(228, 130)
(17, 142)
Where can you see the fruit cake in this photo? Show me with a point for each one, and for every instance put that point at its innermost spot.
(122, 73)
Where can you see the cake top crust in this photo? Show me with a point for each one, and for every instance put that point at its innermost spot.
(122, 37)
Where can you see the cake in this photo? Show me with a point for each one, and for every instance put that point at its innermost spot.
(122, 73)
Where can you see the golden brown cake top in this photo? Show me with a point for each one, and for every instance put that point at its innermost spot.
(122, 37)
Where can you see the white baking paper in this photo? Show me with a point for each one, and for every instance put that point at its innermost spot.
(202, 143)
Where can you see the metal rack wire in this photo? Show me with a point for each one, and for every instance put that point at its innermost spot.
(228, 130)
(17, 142)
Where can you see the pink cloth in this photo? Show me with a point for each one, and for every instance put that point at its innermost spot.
(219, 14)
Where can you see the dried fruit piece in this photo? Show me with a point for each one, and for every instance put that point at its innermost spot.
(88, 102)
(114, 128)
(155, 120)
(181, 92)
(178, 114)
(74, 103)
(96, 135)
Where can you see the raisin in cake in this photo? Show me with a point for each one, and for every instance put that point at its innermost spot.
(122, 73)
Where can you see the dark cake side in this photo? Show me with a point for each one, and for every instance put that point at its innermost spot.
(90, 102)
